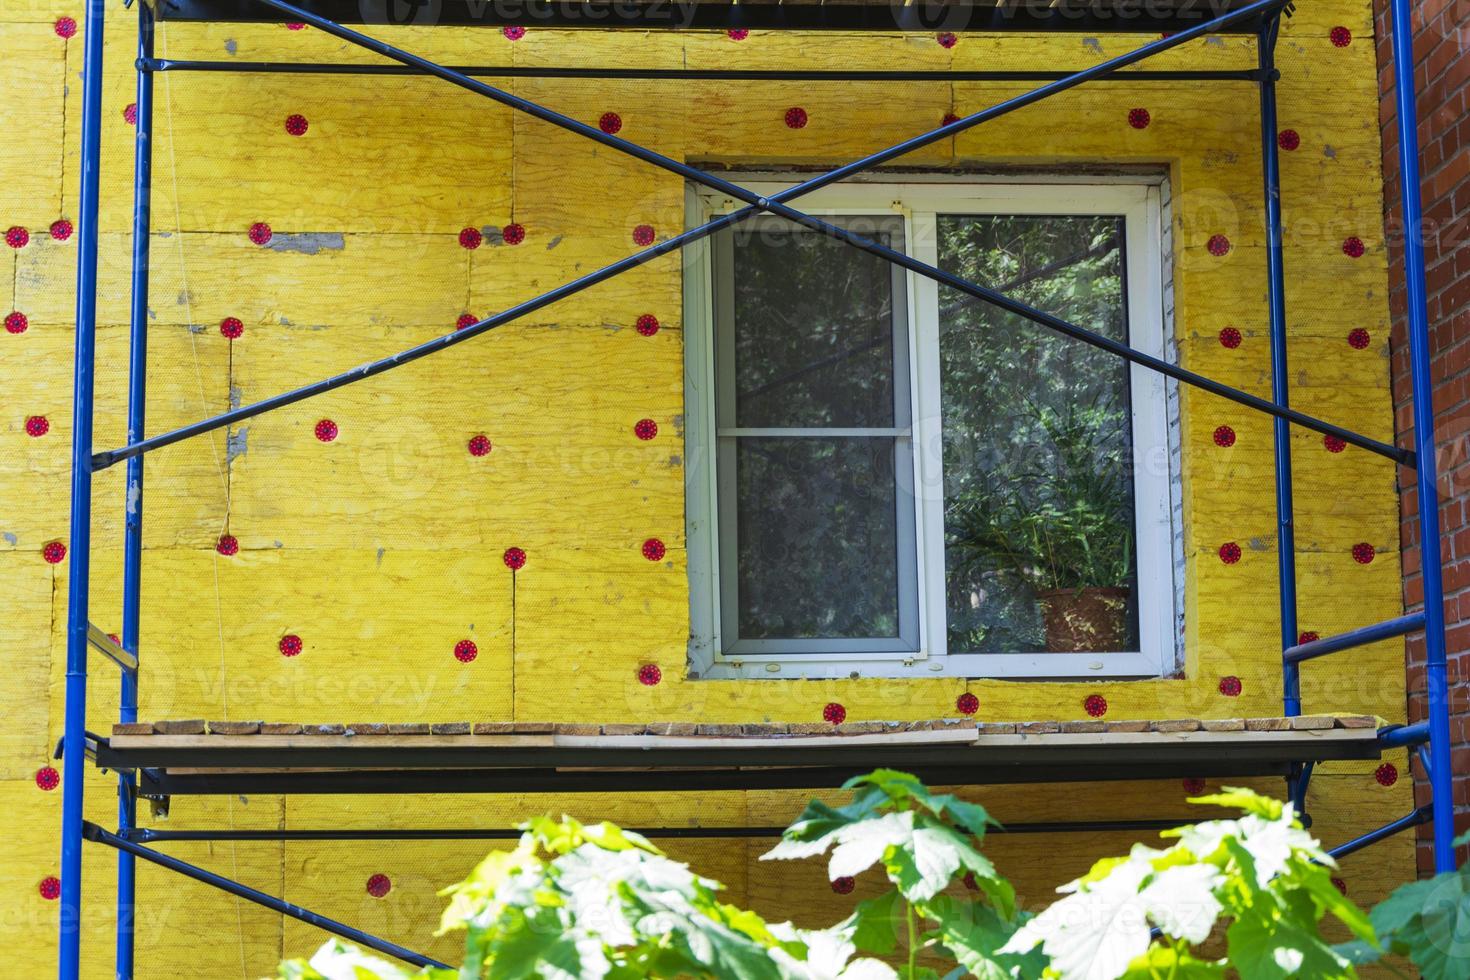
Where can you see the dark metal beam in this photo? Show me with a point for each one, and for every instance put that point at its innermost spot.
(1067, 16)
(159, 782)
(688, 74)
(150, 835)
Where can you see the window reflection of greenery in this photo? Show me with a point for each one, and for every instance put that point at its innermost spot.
(1037, 447)
(1036, 431)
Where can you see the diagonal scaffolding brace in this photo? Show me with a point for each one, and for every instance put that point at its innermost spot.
(94, 833)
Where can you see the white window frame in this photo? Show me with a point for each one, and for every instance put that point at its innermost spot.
(919, 201)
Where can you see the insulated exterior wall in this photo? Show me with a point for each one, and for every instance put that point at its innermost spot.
(383, 547)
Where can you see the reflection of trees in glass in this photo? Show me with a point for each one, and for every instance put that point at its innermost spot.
(1004, 381)
(813, 330)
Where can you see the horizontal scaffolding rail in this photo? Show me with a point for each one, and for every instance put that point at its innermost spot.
(218, 764)
(1399, 736)
(1386, 630)
(148, 835)
(1074, 16)
(696, 74)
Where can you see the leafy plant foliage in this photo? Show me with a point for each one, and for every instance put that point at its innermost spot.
(575, 901)
(1262, 872)
(922, 841)
(1427, 921)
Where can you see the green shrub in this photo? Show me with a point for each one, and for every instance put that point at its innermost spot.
(574, 901)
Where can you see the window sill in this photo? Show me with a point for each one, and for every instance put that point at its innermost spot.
(1003, 666)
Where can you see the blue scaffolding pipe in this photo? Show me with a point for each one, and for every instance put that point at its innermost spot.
(127, 789)
(74, 747)
(95, 833)
(74, 759)
(1418, 817)
(1281, 431)
(1386, 630)
(1416, 314)
(1399, 736)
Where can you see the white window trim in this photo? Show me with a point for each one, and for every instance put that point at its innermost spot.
(918, 201)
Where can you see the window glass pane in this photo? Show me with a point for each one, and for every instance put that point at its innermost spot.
(1038, 494)
(817, 537)
(813, 329)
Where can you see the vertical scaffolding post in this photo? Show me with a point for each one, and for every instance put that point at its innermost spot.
(133, 503)
(1281, 431)
(1416, 315)
(74, 758)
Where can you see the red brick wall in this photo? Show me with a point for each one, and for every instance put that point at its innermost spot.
(1442, 81)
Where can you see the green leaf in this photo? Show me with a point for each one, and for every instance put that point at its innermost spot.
(1358, 953)
(1315, 880)
(337, 960)
(1404, 905)
(861, 845)
(866, 969)
(812, 834)
(541, 953)
(1166, 961)
(874, 924)
(1436, 931)
(1240, 798)
(1100, 870)
(1270, 947)
(898, 786)
(971, 816)
(1181, 901)
(829, 957)
(1095, 932)
(924, 864)
(614, 838)
(974, 935)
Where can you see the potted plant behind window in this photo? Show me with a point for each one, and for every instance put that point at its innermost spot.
(1060, 522)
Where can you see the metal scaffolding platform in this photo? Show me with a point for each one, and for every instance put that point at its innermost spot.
(579, 758)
